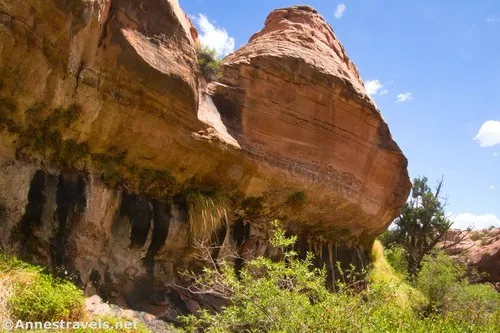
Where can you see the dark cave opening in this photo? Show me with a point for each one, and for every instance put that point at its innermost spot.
(71, 201)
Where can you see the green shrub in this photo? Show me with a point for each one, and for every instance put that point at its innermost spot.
(477, 302)
(208, 63)
(437, 277)
(289, 296)
(444, 282)
(297, 197)
(47, 299)
(8, 108)
(150, 182)
(38, 296)
(396, 256)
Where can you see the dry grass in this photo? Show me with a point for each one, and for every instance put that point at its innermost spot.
(206, 214)
(383, 273)
(6, 290)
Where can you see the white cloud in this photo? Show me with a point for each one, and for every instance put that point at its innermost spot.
(492, 187)
(495, 19)
(496, 154)
(373, 86)
(340, 11)
(214, 37)
(489, 134)
(404, 97)
(384, 92)
(464, 220)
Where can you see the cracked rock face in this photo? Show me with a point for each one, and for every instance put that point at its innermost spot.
(295, 102)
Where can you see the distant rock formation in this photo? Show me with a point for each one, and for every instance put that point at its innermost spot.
(479, 250)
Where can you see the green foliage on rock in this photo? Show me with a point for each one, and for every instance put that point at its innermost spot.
(253, 206)
(8, 109)
(44, 137)
(208, 63)
(115, 170)
(31, 294)
(297, 197)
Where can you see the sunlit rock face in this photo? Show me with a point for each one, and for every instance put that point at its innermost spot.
(106, 126)
(296, 103)
(479, 250)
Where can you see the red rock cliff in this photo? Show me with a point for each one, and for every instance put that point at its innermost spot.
(106, 137)
(295, 102)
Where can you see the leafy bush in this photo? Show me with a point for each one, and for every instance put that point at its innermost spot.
(396, 256)
(297, 200)
(47, 299)
(477, 302)
(444, 282)
(208, 63)
(34, 295)
(438, 276)
(289, 296)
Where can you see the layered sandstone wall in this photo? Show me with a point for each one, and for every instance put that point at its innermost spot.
(115, 156)
(294, 101)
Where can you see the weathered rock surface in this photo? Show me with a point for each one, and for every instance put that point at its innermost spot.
(106, 128)
(479, 250)
(294, 100)
(97, 308)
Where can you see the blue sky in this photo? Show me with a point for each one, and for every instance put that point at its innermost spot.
(433, 67)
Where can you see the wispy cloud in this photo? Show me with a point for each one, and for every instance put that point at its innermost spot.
(404, 97)
(465, 220)
(340, 11)
(496, 154)
(384, 92)
(493, 19)
(373, 86)
(492, 187)
(214, 36)
(489, 134)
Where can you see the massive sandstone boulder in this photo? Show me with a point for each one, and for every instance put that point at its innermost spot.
(115, 157)
(294, 100)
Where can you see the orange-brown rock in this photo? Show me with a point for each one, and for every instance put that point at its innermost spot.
(107, 128)
(295, 102)
(291, 99)
(479, 250)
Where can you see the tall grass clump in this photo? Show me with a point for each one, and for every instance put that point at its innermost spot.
(207, 211)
